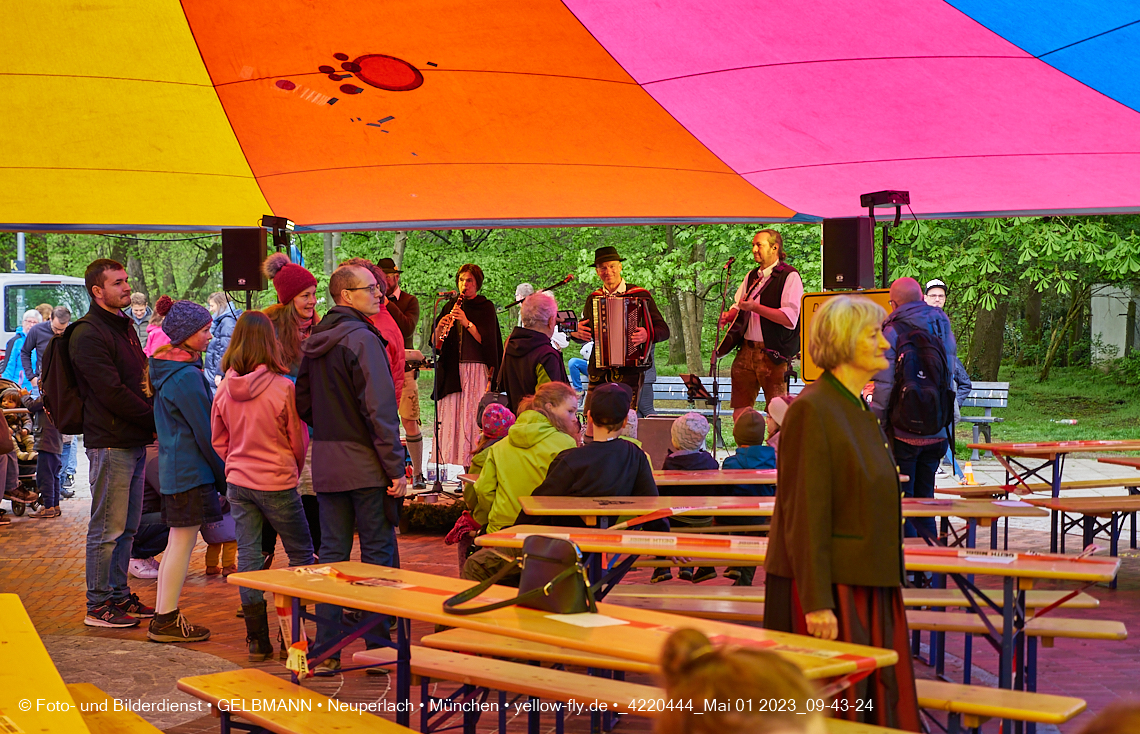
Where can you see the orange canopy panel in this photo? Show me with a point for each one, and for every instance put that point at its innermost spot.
(156, 115)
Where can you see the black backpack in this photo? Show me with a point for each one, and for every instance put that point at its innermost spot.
(922, 399)
(58, 385)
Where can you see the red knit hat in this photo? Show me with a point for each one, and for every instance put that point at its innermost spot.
(288, 279)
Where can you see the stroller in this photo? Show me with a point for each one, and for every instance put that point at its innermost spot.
(28, 490)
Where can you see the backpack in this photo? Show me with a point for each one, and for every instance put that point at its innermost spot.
(922, 399)
(58, 386)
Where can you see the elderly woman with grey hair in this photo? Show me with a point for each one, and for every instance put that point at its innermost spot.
(531, 360)
(835, 560)
(12, 368)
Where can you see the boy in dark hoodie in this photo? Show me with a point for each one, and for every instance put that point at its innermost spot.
(608, 467)
(49, 447)
(530, 360)
(687, 439)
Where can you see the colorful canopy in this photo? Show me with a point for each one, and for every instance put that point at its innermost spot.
(156, 115)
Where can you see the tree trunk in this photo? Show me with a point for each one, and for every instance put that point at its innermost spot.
(332, 244)
(138, 276)
(984, 357)
(692, 317)
(1058, 336)
(210, 259)
(398, 248)
(1028, 354)
(672, 303)
(168, 282)
(1076, 334)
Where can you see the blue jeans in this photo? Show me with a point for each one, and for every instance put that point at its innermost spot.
(920, 464)
(68, 458)
(151, 537)
(47, 478)
(341, 513)
(116, 508)
(577, 369)
(251, 508)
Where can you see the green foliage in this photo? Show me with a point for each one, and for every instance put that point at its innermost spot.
(1126, 370)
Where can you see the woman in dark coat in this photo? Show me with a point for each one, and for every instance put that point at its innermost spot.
(467, 339)
(835, 559)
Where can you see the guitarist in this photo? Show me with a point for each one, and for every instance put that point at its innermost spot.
(765, 322)
(607, 264)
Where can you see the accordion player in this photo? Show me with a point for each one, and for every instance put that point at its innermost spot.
(615, 319)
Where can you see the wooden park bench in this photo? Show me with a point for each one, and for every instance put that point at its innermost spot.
(304, 711)
(986, 395)
(968, 706)
(99, 714)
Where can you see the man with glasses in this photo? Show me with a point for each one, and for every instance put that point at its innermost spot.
(38, 338)
(346, 393)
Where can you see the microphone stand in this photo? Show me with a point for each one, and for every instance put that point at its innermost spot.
(559, 284)
(437, 485)
(714, 363)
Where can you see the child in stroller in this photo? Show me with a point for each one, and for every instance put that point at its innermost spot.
(17, 479)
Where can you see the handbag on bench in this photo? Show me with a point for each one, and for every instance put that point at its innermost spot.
(553, 579)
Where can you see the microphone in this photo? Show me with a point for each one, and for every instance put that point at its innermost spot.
(728, 264)
(447, 294)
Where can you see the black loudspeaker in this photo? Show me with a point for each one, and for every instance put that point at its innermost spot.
(243, 251)
(848, 253)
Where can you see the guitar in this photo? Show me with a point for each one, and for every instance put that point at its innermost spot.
(734, 335)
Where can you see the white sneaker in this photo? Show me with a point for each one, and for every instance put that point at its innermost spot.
(141, 568)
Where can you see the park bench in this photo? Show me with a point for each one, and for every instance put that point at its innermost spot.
(968, 706)
(672, 389)
(303, 711)
(986, 395)
(99, 714)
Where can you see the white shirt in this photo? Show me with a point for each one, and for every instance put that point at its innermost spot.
(620, 289)
(789, 300)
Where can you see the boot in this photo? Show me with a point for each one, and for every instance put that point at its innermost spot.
(257, 632)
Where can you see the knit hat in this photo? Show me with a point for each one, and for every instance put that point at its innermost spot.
(183, 319)
(162, 306)
(778, 407)
(497, 420)
(288, 279)
(689, 432)
(748, 429)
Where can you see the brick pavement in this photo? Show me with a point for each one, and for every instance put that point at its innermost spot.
(43, 561)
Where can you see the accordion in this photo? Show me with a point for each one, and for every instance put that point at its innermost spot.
(614, 321)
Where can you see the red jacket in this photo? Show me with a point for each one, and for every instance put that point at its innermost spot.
(257, 432)
(388, 329)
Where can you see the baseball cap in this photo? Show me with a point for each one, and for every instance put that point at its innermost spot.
(936, 283)
(610, 403)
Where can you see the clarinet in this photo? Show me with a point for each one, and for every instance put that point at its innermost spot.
(448, 319)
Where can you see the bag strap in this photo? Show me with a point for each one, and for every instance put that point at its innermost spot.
(451, 605)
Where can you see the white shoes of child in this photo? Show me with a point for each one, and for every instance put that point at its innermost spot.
(143, 568)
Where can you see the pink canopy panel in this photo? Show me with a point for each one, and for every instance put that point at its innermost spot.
(159, 115)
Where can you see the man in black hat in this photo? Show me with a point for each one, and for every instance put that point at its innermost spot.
(770, 295)
(607, 263)
(405, 311)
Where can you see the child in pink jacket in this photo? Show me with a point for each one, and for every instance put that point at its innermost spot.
(258, 434)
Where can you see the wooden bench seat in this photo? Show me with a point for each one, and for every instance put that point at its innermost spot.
(474, 642)
(725, 610)
(1047, 628)
(1034, 599)
(310, 712)
(107, 721)
(978, 704)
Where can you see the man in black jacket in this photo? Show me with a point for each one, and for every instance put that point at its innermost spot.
(530, 359)
(345, 392)
(118, 423)
(38, 338)
(404, 308)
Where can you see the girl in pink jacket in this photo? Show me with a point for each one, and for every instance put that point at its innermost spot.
(258, 434)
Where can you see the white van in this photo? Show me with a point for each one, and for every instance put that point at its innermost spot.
(22, 291)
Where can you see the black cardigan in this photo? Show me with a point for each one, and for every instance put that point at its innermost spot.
(838, 515)
(481, 312)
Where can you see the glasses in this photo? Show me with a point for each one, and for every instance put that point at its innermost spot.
(375, 289)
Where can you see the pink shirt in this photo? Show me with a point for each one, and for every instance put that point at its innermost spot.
(386, 325)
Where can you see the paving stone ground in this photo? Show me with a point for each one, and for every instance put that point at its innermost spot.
(43, 561)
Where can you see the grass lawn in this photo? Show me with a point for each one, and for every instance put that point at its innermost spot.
(1104, 409)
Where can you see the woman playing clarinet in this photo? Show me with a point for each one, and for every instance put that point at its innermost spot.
(470, 347)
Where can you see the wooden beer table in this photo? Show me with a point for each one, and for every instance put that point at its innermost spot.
(632, 634)
(1014, 457)
(1018, 572)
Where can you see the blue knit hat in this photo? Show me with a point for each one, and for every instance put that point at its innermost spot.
(184, 319)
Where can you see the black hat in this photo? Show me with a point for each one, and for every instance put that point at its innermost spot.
(388, 265)
(606, 254)
(609, 405)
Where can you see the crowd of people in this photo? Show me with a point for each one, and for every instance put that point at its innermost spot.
(293, 425)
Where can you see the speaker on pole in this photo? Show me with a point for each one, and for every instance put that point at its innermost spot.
(848, 253)
(243, 251)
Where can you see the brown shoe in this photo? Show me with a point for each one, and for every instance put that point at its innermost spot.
(213, 570)
(45, 513)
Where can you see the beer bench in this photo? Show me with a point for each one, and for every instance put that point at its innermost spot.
(986, 395)
(1095, 515)
(99, 714)
(967, 706)
(243, 689)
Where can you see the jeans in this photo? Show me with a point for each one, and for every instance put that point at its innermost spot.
(9, 473)
(949, 457)
(341, 512)
(150, 538)
(116, 508)
(68, 459)
(251, 508)
(47, 478)
(919, 463)
(577, 370)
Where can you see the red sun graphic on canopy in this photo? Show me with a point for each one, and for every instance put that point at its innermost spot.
(387, 72)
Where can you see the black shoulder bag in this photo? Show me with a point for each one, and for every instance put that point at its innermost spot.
(553, 580)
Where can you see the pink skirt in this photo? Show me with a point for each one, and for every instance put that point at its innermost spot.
(458, 431)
